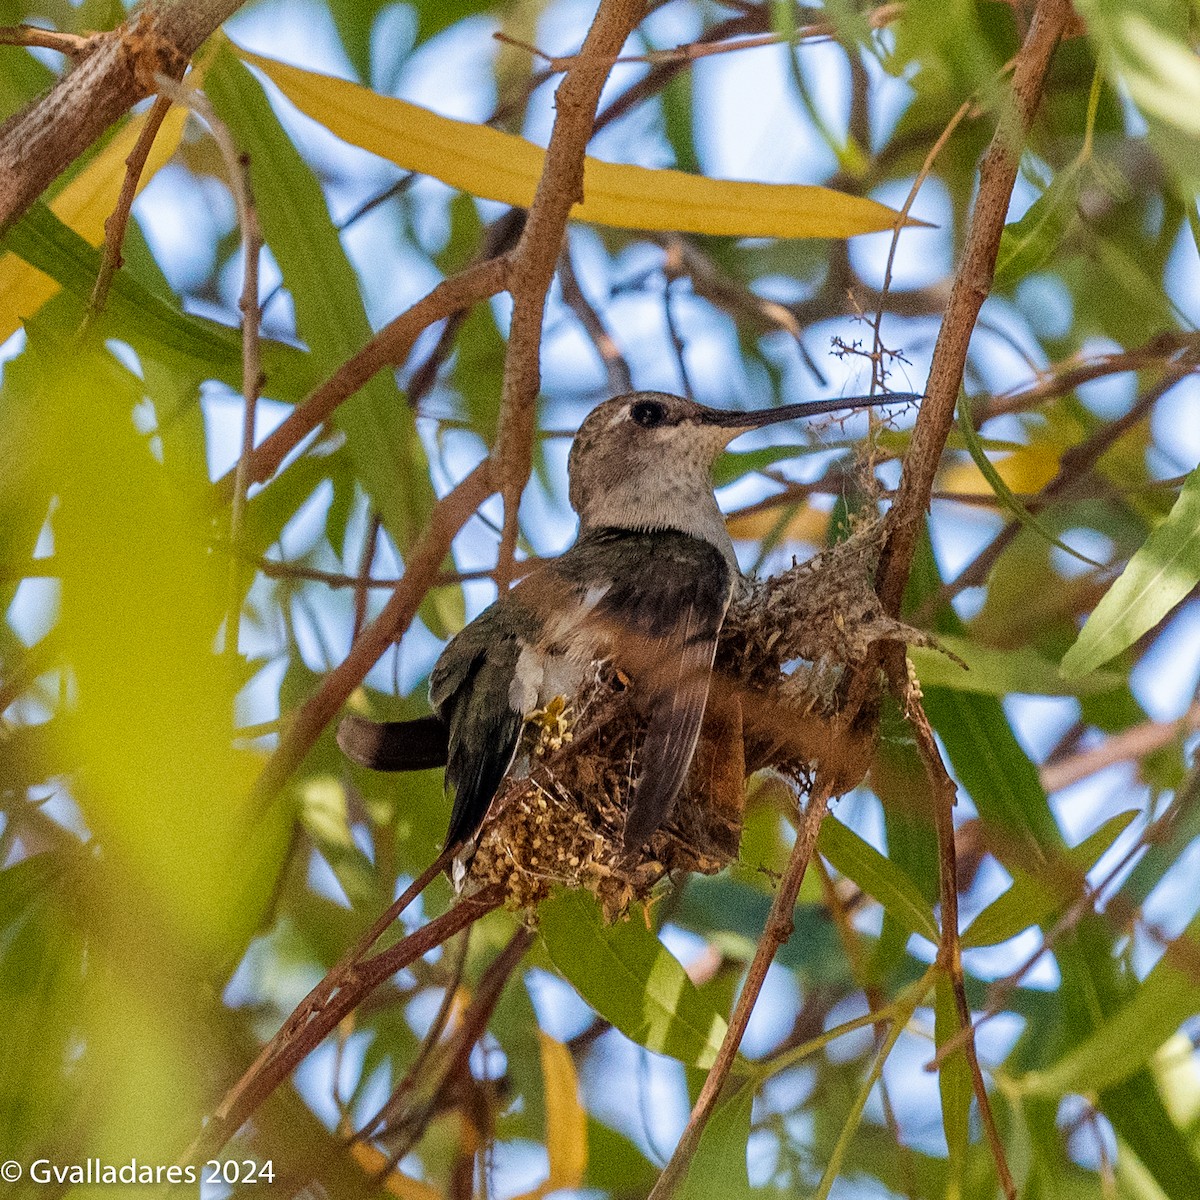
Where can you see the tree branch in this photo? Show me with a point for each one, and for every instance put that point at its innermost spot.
(776, 931)
(1130, 745)
(391, 346)
(449, 516)
(45, 137)
(972, 283)
(537, 252)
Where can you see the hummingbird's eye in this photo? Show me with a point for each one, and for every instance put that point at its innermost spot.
(648, 413)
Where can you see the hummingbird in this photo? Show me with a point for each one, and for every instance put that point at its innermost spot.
(645, 587)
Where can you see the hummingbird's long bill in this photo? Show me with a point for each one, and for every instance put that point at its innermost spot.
(756, 418)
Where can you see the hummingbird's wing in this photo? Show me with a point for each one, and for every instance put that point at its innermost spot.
(676, 704)
(471, 691)
(663, 613)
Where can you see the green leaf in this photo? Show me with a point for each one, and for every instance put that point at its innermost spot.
(985, 753)
(154, 709)
(1034, 899)
(354, 20)
(379, 427)
(145, 320)
(738, 913)
(995, 672)
(631, 979)
(878, 877)
(1004, 493)
(954, 1084)
(719, 1165)
(615, 1164)
(1166, 998)
(733, 464)
(326, 819)
(1156, 579)
(1146, 45)
(435, 15)
(1027, 244)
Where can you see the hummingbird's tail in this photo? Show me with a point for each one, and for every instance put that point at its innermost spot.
(415, 745)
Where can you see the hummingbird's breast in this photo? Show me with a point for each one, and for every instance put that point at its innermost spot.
(555, 661)
(650, 602)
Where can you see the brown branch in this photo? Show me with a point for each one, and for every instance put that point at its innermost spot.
(429, 1042)
(73, 45)
(237, 168)
(449, 516)
(117, 71)
(533, 261)
(403, 1135)
(318, 1015)
(673, 272)
(620, 380)
(1067, 376)
(118, 221)
(1130, 745)
(362, 582)
(286, 570)
(775, 933)
(689, 52)
(972, 282)
(944, 795)
(388, 348)
(314, 1003)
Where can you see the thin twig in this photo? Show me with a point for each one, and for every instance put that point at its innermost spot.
(390, 347)
(338, 994)
(118, 221)
(448, 517)
(775, 933)
(620, 380)
(923, 174)
(429, 1042)
(1065, 377)
(1130, 745)
(944, 793)
(362, 582)
(533, 261)
(672, 269)
(237, 167)
(334, 579)
(879, 18)
(972, 282)
(472, 1026)
(73, 45)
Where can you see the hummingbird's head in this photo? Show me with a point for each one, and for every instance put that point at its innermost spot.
(644, 434)
(641, 461)
(644, 461)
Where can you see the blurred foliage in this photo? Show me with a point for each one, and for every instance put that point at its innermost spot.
(157, 924)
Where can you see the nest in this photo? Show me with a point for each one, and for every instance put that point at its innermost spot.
(560, 820)
(785, 647)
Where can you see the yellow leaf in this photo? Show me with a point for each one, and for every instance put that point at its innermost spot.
(395, 1181)
(566, 1121)
(501, 166)
(806, 524)
(84, 204)
(1026, 471)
